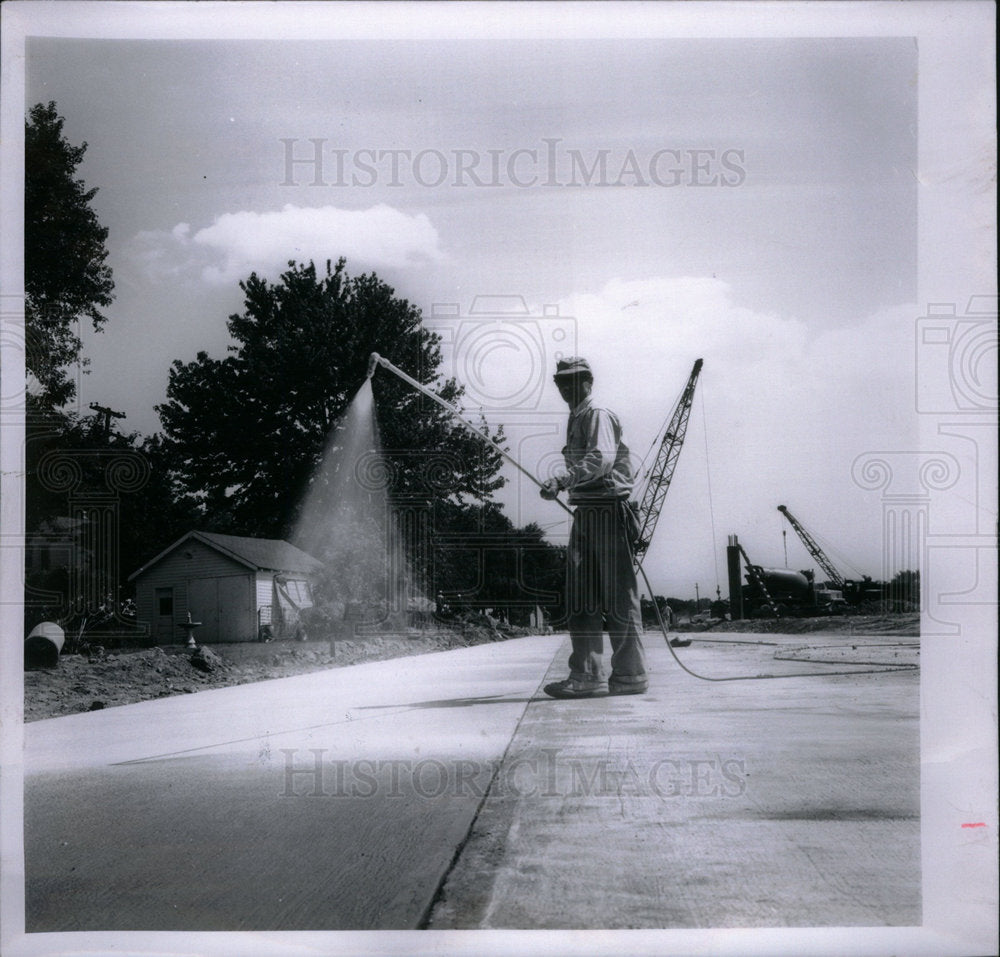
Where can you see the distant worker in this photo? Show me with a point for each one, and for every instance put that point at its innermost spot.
(600, 577)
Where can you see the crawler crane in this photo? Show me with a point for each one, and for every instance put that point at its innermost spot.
(661, 474)
(662, 471)
(854, 592)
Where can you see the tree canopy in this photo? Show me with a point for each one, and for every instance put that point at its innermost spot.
(246, 433)
(66, 274)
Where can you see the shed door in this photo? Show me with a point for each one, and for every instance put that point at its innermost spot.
(224, 608)
(237, 609)
(165, 630)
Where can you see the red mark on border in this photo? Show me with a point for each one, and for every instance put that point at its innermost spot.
(977, 824)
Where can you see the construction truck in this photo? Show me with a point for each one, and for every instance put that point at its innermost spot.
(789, 594)
(777, 592)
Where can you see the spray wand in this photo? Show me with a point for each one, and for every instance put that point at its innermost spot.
(375, 360)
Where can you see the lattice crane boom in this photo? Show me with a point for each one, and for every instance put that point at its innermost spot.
(662, 472)
(819, 556)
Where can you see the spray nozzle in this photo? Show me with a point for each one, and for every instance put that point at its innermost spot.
(373, 360)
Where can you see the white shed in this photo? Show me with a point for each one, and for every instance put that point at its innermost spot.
(233, 585)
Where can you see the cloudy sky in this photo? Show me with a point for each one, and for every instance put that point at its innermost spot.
(644, 201)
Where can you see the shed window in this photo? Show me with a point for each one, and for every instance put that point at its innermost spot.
(165, 601)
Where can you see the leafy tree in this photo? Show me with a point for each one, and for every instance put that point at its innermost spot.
(481, 560)
(247, 434)
(66, 274)
(159, 514)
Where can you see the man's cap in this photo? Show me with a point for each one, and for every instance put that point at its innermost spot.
(573, 365)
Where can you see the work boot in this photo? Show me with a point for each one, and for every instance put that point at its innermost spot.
(575, 687)
(629, 685)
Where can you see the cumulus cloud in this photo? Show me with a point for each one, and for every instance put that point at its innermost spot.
(236, 244)
(770, 374)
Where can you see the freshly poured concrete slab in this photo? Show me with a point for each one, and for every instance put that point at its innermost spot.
(333, 800)
(760, 803)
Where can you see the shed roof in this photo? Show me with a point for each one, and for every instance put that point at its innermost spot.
(260, 554)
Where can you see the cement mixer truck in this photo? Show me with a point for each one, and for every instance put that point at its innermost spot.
(776, 592)
(793, 593)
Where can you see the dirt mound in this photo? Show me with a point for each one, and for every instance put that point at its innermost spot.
(82, 683)
(99, 680)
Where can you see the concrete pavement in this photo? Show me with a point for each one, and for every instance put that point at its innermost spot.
(760, 803)
(445, 791)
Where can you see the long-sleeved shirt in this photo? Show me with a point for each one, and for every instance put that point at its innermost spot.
(598, 462)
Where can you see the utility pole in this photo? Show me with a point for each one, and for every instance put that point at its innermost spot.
(108, 413)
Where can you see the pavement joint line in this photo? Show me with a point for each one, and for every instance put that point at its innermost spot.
(781, 644)
(887, 644)
(254, 737)
(791, 654)
(425, 919)
(388, 712)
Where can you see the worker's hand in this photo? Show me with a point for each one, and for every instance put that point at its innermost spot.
(550, 490)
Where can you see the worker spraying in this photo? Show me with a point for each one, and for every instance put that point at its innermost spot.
(601, 585)
(609, 536)
(601, 574)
